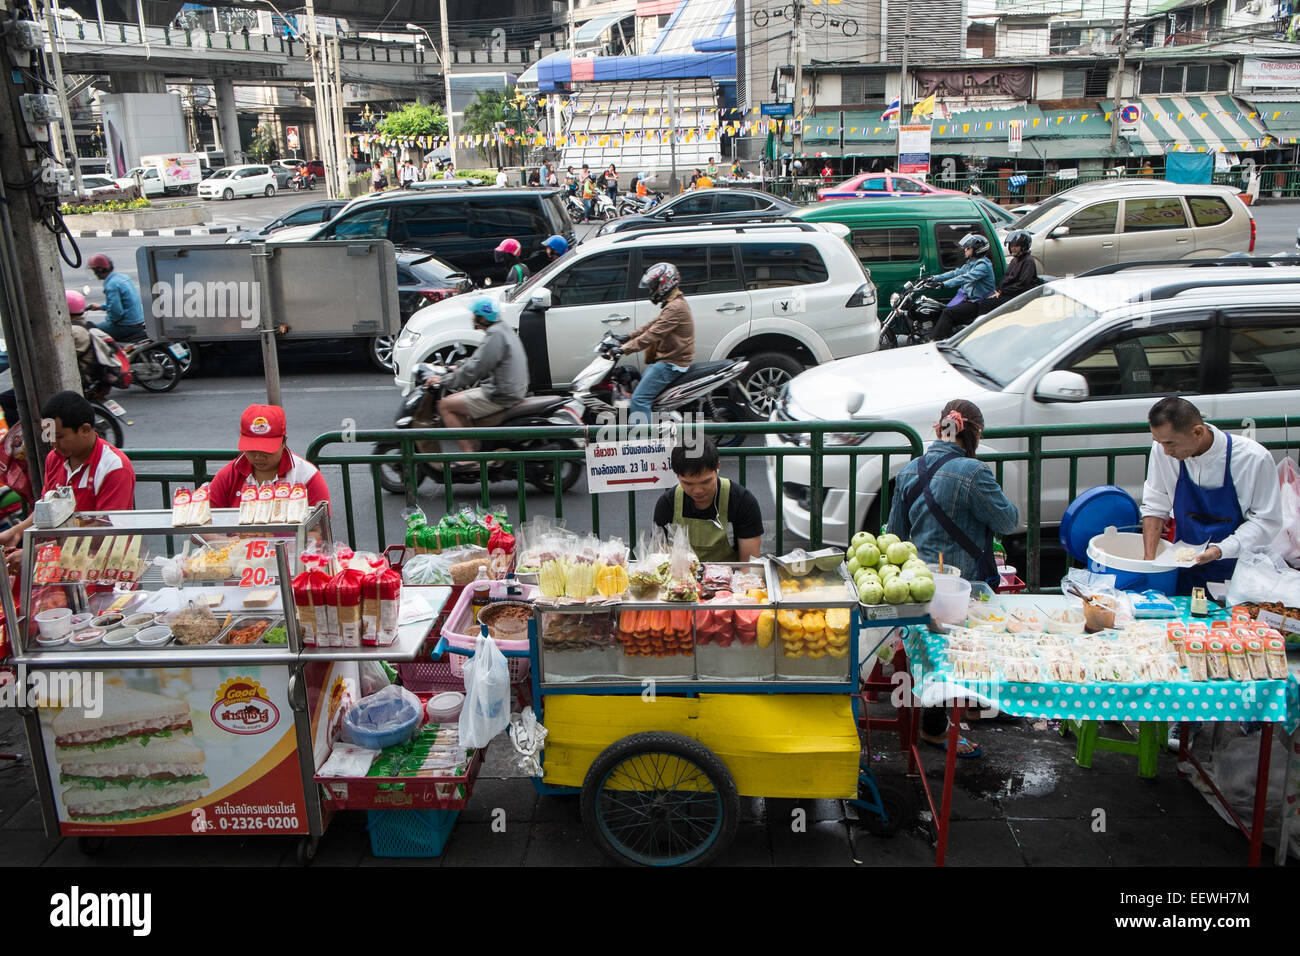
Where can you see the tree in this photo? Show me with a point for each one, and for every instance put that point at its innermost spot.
(264, 148)
(498, 106)
(412, 120)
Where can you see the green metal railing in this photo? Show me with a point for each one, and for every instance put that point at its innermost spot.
(186, 468)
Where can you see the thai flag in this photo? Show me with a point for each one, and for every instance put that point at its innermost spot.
(893, 110)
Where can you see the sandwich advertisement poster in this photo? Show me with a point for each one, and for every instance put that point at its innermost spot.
(179, 751)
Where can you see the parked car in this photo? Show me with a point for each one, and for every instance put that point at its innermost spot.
(899, 239)
(1125, 220)
(316, 168)
(460, 226)
(146, 177)
(1075, 352)
(231, 181)
(309, 216)
(784, 295)
(284, 171)
(702, 207)
(422, 281)
(882, 186)
(105, 186)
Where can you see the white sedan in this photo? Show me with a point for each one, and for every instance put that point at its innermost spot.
(231, 181)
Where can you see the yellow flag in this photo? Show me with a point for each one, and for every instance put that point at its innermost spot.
(925, 107)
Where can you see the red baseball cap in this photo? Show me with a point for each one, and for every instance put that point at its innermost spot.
(262, 428)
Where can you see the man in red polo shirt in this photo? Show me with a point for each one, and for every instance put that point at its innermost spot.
(265, 457)
(101, 477)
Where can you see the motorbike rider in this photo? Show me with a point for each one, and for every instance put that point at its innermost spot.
(975, 276)
(1021, 274)
(96, 351)
(669, 340)
(510, 252)
(589, 194)
(121, 301)
(555, 247)
(500, 364)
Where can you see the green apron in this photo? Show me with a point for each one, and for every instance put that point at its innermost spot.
(707, 541)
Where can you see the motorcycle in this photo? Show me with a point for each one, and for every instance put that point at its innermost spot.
(303, 182)
(913, 315)
(603, 208)
(156, 366)
(708, 391)
(631, 204)
(420, 410)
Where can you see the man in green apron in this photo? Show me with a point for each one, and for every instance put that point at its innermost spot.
(704, 503)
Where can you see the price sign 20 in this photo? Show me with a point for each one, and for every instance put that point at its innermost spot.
(255, 578)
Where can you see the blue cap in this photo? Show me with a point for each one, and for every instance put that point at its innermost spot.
(485, 309)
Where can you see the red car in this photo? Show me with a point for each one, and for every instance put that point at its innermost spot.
(882, 186)
(316, 168)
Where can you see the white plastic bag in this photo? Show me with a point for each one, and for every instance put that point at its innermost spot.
(373, 678)
(486, 711)
(1287, 542)
(1263, 578)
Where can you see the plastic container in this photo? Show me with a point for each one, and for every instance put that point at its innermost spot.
(121, 637)
(153, 636)
(88, 637)
(378, 741)
(107, 622)
(1090, 514)
(54, 623)
(1120, 553)
(409, 833)
(951, 597)
(445, 707)
(81, 621)
(139, 620)
(44, 640)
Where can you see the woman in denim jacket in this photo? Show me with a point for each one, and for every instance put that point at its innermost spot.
(946, 502)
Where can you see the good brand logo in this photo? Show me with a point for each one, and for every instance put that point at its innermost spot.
(242, 707)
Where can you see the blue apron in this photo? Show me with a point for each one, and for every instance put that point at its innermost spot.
(1206, 515)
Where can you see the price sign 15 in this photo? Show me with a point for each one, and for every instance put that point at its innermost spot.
(257, 549)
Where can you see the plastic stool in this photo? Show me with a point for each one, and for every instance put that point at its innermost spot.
(1151, 740)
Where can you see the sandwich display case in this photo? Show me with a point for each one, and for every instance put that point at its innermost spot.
(172, 689)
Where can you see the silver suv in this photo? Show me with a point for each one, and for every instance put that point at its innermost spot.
(1129, 220)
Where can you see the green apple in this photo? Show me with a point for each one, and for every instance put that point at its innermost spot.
(911, 547)
(922, 589)
(861, 538)
(885, 540)
(870, 591)
(888, 573)
(915, 564)
(853, 565)
(868, 554)
(898, 553)
(896, 592)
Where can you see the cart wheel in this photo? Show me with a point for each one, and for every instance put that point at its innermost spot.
(660, 799)
(91, 845)
(307, 849)
(899, 806)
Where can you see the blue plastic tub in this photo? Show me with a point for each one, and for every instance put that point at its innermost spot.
(1131, 574)
(410, 833)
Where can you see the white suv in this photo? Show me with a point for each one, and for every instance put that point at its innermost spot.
(785, 295)
(231, 181)
(1075, 352)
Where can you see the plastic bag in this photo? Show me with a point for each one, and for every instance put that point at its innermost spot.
(425, 570)
(682, 568)
(1263, 578)
(486, 711)
(373, 678)
(383, 719)
(1287, 543)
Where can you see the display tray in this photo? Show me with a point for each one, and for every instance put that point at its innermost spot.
(816, 589)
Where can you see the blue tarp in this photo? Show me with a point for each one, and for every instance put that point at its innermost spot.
(1194, 168)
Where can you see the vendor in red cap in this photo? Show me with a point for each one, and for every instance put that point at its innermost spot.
(265, 457)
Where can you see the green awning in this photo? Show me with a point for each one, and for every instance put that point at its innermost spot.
(1074, 147)
(864, 132)
(984, 125)
(1202, 124)
(1282, 120)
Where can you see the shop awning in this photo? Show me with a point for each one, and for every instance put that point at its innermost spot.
(591, 31)
(865, 133)
(1203, 124)
(1282, 120)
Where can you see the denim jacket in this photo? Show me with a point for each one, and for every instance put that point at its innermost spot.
(975, 277)
(966, 491)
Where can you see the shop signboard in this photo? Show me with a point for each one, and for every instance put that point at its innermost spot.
(1281, 73)
(1015, 136)
(178, 750)
(914, 149)
(291, 136)
(634, 465)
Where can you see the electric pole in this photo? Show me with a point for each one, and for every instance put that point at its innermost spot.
(341, 137)
(446, 76)
(796, 121)
(903, 91)
(1119, 82)
(672, 144)
(571, 37)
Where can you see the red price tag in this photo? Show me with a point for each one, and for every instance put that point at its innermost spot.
(255, 578)
(257, 549)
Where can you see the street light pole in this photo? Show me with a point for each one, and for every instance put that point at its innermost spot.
(445, 59)
(1119, 82)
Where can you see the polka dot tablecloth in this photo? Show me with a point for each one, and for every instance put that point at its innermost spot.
(1275, 701)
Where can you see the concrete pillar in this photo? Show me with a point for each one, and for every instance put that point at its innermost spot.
(141, 81)
(228, 121)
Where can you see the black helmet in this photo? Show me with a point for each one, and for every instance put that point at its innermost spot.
(1020, 239)
(975, 242)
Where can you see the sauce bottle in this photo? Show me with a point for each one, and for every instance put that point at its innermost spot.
(480, 593)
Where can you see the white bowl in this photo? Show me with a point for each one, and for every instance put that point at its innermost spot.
(54, 623)
(138, 620)
(153, 636)
(119, 638)
(44, 640)
(82, 621)
(107, 621)
(86, 638)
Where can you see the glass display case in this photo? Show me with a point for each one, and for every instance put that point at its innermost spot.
(130, 583)
(726, 638)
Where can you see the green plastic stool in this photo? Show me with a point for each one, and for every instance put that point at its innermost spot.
(1152, 736)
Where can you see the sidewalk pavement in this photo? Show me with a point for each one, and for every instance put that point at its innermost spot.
(1023, 803)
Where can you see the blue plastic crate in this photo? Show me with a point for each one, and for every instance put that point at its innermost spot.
(409, 833)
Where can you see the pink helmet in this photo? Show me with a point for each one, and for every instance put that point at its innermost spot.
(509, 247)
(76, 302)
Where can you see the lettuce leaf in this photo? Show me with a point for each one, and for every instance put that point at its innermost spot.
(99, 783)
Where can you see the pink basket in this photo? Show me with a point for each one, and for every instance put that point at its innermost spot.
(459, 628)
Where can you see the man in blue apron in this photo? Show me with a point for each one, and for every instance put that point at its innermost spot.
(704, 503)
(1220, 489)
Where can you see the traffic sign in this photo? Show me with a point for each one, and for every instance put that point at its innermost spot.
(1130, 115)
(777, 109)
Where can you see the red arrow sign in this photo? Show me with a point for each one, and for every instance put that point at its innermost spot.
(633, 481)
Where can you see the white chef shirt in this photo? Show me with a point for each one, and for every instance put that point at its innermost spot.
(1254, 475)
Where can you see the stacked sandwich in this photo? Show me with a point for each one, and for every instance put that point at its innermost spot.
(136, 759)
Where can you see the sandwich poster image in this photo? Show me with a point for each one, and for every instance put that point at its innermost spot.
(179, 751)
